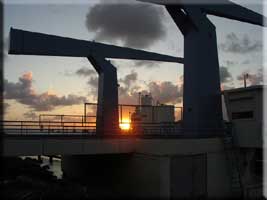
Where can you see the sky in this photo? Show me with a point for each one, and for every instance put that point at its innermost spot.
(60, 85)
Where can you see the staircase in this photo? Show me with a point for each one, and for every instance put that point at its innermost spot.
(233, 163)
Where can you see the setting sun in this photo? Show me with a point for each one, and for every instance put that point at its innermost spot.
(125, 124)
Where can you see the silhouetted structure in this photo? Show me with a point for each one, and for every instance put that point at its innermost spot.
(201, 66)
(31, 43)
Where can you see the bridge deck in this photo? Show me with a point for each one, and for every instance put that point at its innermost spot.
(15, 145)
(55, 138)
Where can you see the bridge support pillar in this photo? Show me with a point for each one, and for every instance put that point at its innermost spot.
(50, 160)
(107, 119)
(39, 158)
(156, 168)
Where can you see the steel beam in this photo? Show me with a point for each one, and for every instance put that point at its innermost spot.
(107, 120)
(202, 98)
(33, 43)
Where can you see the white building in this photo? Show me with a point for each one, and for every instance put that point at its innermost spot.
(245, 112)
(149, 113)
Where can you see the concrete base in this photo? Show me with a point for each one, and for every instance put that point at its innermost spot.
(105, 175)
(157, 174)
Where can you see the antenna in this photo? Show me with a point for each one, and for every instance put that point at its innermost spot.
(245, 80)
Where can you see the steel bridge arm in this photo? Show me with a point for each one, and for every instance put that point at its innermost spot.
(233, 11)
(220, 8)
(32, 43)
(180, 18)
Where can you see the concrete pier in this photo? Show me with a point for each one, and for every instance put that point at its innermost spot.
(156, 169)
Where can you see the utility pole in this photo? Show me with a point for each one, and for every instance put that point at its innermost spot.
(245, 79)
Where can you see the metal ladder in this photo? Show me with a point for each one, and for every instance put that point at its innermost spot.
(234, 169)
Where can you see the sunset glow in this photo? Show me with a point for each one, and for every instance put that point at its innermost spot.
(125, 124)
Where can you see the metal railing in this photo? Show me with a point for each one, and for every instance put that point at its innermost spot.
(47, 127)
(89, 128)
(126, 110)
(65, 127)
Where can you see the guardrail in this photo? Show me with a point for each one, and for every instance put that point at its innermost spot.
(89, 128)
(47, 127)
(65, 127)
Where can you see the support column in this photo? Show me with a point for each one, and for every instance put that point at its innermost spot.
(50, 160)
(107, 120)
(202, 94)
(39, 158)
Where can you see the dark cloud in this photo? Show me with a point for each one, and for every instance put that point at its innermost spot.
(225, 75)
(136, 25)
(128, 92)
(253, 78)
(234, 44)
(230, 63)
(129, 79)
(93, 81)
(6, 106)
(93, 86)
(128, 96)
(145, 63)
(4, 47)
(31, 115)
(84, 71)
(126, 84)
(67, 73)
(23, 92)
(165, 92)
(246, 62)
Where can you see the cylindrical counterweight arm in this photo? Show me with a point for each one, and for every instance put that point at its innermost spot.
(31, 43)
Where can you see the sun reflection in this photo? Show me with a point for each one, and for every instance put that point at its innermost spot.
(125, 124)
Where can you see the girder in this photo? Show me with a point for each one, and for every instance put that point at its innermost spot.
(33, 43)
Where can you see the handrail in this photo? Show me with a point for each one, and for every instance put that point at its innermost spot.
(27, 127)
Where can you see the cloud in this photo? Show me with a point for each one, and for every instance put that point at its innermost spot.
(84, 71)
(67, 73)
(244, 45)
(128, 96)
(165, 92)
(93, 86)
(93, 81)
(246, 62)
(6, 106)
(4, 47)
(128, 92)
(225, 75)
(129, 79)
(23, 92)
(126, 86)
(136, 25)
(230, 63)
(30, 115)
(145, 63)
(253, 78)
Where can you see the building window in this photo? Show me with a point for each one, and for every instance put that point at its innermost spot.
(242, 115)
